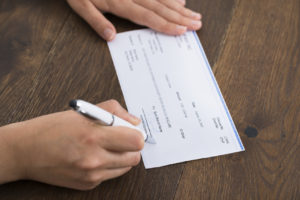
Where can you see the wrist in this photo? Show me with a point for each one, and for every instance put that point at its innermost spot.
(11, 167)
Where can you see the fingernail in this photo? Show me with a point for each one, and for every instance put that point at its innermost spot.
(196, 24)
(181, 29)
(196, 15)
(135, 119)
(108, 34)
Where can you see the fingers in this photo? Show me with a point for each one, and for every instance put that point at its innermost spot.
(143, 16)
(113, 173)
(120, 139)
(94, 18)
(109, 160)
(116, 160)
(181, 2)
(92, 178)
(180, 9)
(167, 16)
(171, 15)
(95, 177)
(115, 108)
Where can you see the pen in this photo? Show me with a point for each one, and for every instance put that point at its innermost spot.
(103, 117)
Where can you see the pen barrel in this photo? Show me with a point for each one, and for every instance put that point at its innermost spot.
(120, 122)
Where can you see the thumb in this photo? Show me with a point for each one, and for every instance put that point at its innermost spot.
(94, 18)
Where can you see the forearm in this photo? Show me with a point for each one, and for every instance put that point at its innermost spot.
(9, 164)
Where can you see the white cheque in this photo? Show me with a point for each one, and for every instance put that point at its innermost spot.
(168, 83)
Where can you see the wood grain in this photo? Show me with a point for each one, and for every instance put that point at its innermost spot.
(28, 31)
(258, 73)
(48, 55)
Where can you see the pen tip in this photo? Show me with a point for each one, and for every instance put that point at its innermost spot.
(73, 104)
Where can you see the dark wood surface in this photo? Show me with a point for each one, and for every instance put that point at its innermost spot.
(48, 55)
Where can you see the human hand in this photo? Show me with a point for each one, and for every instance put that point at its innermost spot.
(69, 150)
(166, 16)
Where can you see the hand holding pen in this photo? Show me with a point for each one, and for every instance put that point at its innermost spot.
(105, 118)
(69, 150)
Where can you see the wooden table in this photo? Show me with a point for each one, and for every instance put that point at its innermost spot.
(48, 55)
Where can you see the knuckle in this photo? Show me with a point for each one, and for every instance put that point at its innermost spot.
(82, 165)
(114, 103)
(90, 139)
(185, 11)
(89, 163)
(88, 186)
(182, 9)
(89, 180)
(161, 10)
(178, 18)
(93, 179)
(164, 26)
(84, 187)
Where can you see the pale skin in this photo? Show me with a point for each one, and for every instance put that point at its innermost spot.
(65, 148)
(166, 16)
(69, 150)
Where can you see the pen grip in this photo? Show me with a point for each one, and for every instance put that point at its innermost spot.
(121, 122)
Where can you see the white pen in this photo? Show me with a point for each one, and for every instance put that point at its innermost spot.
(103, 117)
